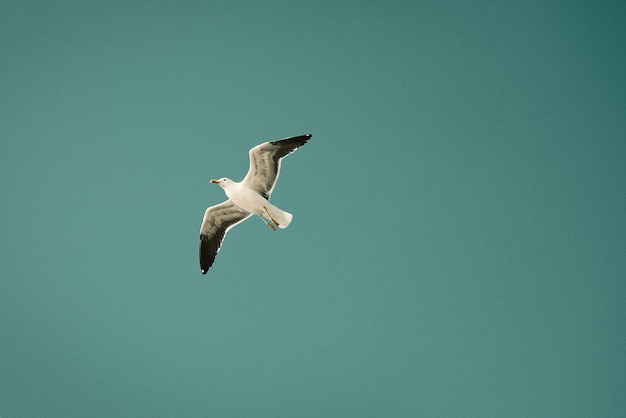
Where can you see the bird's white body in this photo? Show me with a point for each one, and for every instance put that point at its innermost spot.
(252, 202)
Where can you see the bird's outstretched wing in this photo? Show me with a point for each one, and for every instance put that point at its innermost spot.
(265, 163)
(217, 221)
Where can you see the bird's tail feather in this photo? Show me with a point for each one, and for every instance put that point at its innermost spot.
(283, 218)
(285, 223)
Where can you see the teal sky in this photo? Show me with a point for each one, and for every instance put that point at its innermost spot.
(458, 243)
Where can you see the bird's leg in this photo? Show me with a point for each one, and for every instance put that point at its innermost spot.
(270, 216)
(269, 225)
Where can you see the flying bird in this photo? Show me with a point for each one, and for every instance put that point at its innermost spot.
(247, 197)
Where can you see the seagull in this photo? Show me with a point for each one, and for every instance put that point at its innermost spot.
(247, 197)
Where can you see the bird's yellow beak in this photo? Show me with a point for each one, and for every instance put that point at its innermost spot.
(215, 181)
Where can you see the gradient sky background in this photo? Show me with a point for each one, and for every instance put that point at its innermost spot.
(458, 244)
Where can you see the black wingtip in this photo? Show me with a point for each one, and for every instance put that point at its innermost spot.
(304, 137)
(294, 142)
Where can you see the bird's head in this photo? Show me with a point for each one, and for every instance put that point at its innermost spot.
(223, 182)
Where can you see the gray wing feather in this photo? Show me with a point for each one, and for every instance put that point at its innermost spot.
(217, 221)
(265, 163)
